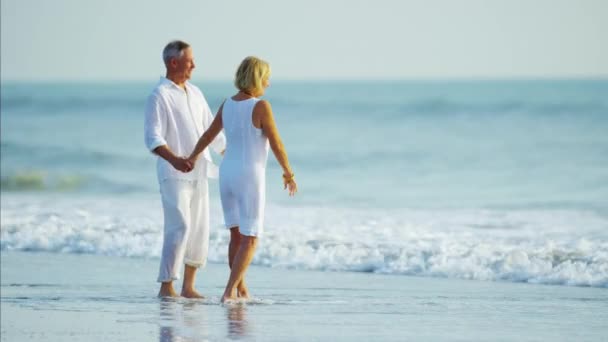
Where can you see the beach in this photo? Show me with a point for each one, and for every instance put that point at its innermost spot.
(427, 211)
(451, 162)
(68, 297)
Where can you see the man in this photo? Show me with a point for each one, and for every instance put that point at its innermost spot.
(176, 115)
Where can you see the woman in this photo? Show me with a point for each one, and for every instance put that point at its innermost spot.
(249, 127)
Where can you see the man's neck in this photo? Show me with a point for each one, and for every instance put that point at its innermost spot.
(179, 81)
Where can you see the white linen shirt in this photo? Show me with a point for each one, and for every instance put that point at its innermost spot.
(178, 118)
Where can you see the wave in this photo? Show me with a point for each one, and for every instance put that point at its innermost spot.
(378, 103)
(39, 180)
(440, 106)
(53, 105)
(444, 107)
(45, 167)
(58, 154)
(561, 247)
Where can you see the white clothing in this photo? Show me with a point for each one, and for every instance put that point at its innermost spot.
(186, 233)
(178, 118)
(243, 169)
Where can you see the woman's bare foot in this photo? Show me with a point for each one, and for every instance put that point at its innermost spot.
(192, 293)
(226, 299)
(243, 291)
(228, 296)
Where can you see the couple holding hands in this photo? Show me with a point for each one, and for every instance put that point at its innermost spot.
(178, 122)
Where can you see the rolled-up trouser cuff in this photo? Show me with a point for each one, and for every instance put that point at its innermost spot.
(166, 280)
(194, 263)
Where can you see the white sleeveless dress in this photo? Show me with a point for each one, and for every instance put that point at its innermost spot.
(243, 168)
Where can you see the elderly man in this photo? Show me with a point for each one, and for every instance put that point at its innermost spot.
(176, 115)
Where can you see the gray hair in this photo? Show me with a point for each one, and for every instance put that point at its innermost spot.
(174, 49)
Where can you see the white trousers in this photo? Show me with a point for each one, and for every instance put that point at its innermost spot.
(186, 228)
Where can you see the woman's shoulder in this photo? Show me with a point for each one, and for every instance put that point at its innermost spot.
(262, 110)
(263, 105)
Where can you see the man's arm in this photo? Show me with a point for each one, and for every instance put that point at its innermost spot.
(154, 122)
(178, 163)
(154, 132)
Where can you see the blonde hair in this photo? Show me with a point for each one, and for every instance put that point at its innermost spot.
(251, 73)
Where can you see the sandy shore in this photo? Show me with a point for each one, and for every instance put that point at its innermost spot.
(67, 297)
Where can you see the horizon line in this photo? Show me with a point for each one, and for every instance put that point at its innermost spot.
(324, 79)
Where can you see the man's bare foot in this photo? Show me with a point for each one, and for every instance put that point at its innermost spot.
(167, 292)
(192, 293)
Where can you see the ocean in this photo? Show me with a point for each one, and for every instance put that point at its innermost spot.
(483, 194)
(483, 180)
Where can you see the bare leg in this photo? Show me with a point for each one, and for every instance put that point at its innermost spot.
(166, 290)
(235, 241)
(240, 264)
(242, 290)
(188, 289)
(233, 247)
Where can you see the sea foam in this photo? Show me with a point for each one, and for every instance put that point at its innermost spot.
(562, 247)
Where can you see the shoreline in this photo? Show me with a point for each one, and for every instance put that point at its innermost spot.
(114, 298)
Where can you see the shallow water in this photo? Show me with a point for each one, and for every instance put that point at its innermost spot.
(95, 298)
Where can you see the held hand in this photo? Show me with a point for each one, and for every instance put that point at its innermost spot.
(192, 160)
(182, 164)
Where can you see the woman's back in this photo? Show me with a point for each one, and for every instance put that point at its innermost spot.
(246, 145)
(243, 169)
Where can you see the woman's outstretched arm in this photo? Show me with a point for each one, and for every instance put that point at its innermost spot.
(208, 136)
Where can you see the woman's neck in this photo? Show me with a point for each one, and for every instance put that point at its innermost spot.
(246, 93)
(243, 95)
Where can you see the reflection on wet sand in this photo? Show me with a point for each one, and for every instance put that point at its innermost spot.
(237, 321)
(168, 314)
(182, 321)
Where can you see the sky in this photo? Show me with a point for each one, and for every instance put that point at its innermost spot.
(314, 39)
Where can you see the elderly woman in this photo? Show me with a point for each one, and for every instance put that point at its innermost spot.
(249, 127)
